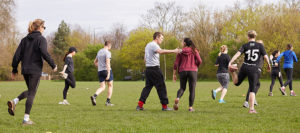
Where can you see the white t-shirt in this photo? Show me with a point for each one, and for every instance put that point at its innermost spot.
(102, 55)
(151, 56)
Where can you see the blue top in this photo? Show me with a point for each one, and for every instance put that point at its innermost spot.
(289, 58)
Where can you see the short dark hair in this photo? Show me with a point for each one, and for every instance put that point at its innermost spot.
(106, 43)
(252, 34)
(289, 46)
(275, 52)
(157, 34)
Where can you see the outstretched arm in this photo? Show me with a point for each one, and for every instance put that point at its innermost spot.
(165, 51)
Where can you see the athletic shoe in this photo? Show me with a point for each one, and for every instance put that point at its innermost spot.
(282, 90)
(138, 108)
(246, 104)
(221, 101)
(30, 122)
(252, 111)
(175, 107)
(64, 75)
(191, 110)
(93, 100)
(11, 107)
(166, 109)
(233, 68)
(108, 104)
(213, 94)
(270, 94)
(255, 103)
(293, 93)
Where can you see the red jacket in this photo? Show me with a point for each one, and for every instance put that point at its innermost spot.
(187, 60)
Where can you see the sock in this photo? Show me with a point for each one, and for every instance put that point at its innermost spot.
(108, 100)
(26, 117)
(164, 106)
(141, 104)
(16, 100)
(95, 96)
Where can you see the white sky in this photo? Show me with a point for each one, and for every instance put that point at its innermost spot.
(98, 14)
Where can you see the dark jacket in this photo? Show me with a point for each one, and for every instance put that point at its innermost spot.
(187, 60)
(31, 52)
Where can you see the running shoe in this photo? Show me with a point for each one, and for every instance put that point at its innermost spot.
(255, 103)
(233, 68)
(293, 93)
(282, 90)
(29, 122)
(192, 110)
(64, 75)
(221, 101)
(93, 101)
(270, 94)
(64, 102)
(246, 104)
(138, 108)
(175, 106)
(252, 111)
(166, 109)
(213, 94)
(108, 104)
(11, 107)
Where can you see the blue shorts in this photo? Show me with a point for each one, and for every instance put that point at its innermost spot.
(103, 74)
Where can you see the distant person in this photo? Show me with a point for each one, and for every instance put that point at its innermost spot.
(222, 73)
(187, 63)
(105, 74)
(31, 51)
(153, 74)
(289, 59)
(275, 73)
(67, 74)
(250, 68)
(260, 66)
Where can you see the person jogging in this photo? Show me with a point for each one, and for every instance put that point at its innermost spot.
(105, 74)
(275, 73)
(187, 63)
(154, 76)
(253, 51)
(260, 66)
(222, 73)
(289, 59)
(67, 74)
(31, 51)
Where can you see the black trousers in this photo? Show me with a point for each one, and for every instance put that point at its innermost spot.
(253, 74)
(154, 77)
(289, 75)
(190, 76)
(256, 87)
(70, 81)
(32, 82)
(274, 75)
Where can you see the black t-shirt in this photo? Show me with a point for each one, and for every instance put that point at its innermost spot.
(275, 68)
(70, 65)
(253, 51)
(223, 61)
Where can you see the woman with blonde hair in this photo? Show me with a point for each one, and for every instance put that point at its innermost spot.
(222, 73)
(31, 51)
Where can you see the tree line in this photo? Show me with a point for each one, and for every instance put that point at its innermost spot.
(277, 24)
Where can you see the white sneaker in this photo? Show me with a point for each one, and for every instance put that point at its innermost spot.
(246, 104)
(64, 102)
(64, 75)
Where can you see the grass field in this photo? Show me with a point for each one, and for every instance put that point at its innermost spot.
(276, 114)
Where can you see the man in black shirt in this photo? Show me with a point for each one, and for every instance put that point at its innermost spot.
(253, 51)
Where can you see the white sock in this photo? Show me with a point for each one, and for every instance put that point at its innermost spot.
(26, 117)
(16, 100)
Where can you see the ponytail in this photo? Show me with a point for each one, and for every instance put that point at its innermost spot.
(66, 56)
(35, 25)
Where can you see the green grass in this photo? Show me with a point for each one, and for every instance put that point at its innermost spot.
(276, 114)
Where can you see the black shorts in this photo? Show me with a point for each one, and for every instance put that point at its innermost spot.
(103, 74)
(253, 74)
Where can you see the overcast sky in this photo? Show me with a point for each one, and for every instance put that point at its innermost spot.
(98, 14)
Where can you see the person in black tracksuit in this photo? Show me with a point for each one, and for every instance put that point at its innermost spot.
(275, 73)
(31, 52)
(67, 74)
(253, 51)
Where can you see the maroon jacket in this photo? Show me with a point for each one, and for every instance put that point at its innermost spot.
(187, 60)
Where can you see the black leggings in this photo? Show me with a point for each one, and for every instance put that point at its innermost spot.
(289, 75)
(70, 81)
(274, 75)
(190, 76)
(32, 82)
(257, 86)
